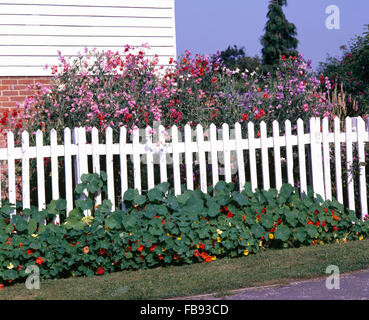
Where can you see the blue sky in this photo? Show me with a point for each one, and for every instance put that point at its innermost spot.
(205, 26)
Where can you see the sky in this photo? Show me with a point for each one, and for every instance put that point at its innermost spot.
(205, 26)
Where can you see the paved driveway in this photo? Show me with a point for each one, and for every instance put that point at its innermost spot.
(354, 286)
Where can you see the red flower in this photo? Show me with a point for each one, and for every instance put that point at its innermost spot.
(160, 257)
(326, 210)
(100, 271)
(230, 215)
(176, 256)
(102, 251)
(202, 246)
(226, 208)
(214, 80)
(335, 228)
(1, 286)
(140, 248)
(152, 248)
(316, 212)
(310, 222)
(245, 117)
(196, 253)
(283, 57)
(163, 222)
(30, 252)
(317, 223)
(324, 224)
(39, 261)
(263, 210)
(279, 220)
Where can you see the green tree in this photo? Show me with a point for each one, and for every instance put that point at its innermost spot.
(279, 38)
(234, 57)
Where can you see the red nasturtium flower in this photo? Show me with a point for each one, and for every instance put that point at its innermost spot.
(102, 251)
(100, 271)
(39, 261)
(245, 117)
(202, 246)
(335, 228)
(1, 286)
(263, 210)
(324, 224)
(317, 223)
(230, 215)
(175, 256)
(30, 251)
(140, 248)
(279, 220)
(196, 253)
(152, 248)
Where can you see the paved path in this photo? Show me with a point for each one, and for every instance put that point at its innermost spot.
(353, 286)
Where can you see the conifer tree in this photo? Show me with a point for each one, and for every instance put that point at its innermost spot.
(279, 38)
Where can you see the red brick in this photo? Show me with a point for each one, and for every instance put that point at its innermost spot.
(10, 93)
(12, 81)
(17, 98)
(4, 99)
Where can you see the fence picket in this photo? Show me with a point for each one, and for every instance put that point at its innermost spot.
(123, 162)
(110, 166)
(202, 159)
(252, 155)
(149, 158)
(11, 170)
(326, 160)
(136, 159)
(362, 162)
(337, 158)
(289, 152)
(316, 156)
(264, 155)
(226, 153)
(302, 159)
(214, 154)
(96, 157)
(68, 169)
(175, 155)
(54, 169)
(277, 156)
(40, 171)
(349, 163)
(240, 159)
(25, 171)
(188, 157)
(163, 155)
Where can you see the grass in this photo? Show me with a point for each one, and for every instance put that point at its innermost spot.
(221, 276)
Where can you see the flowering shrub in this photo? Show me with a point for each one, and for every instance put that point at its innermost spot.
(101, 89)
(158, 229)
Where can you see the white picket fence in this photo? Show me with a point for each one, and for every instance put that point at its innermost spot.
(201, 147)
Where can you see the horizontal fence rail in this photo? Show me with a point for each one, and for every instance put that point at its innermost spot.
(317, 153)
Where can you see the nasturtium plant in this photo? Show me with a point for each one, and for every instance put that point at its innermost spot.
(158, 228)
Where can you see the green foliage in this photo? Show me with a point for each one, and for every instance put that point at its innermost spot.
(159, 228)
(352, 71)
(279, 38)
(235, 58)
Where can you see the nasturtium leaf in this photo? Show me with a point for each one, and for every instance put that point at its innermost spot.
(282, 233)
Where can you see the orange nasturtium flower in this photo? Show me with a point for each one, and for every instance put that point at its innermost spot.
(86, 249)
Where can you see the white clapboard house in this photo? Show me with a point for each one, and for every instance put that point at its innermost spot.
(32, 31)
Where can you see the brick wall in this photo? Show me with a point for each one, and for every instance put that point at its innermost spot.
(14, 90)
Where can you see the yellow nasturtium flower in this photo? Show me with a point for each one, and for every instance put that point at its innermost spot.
(88, 220)
(34, 235)
(219, 239)
(213, 258)
(219, 231)
(10, 266)
(246, 252)
(271, 236)
(361, 237)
